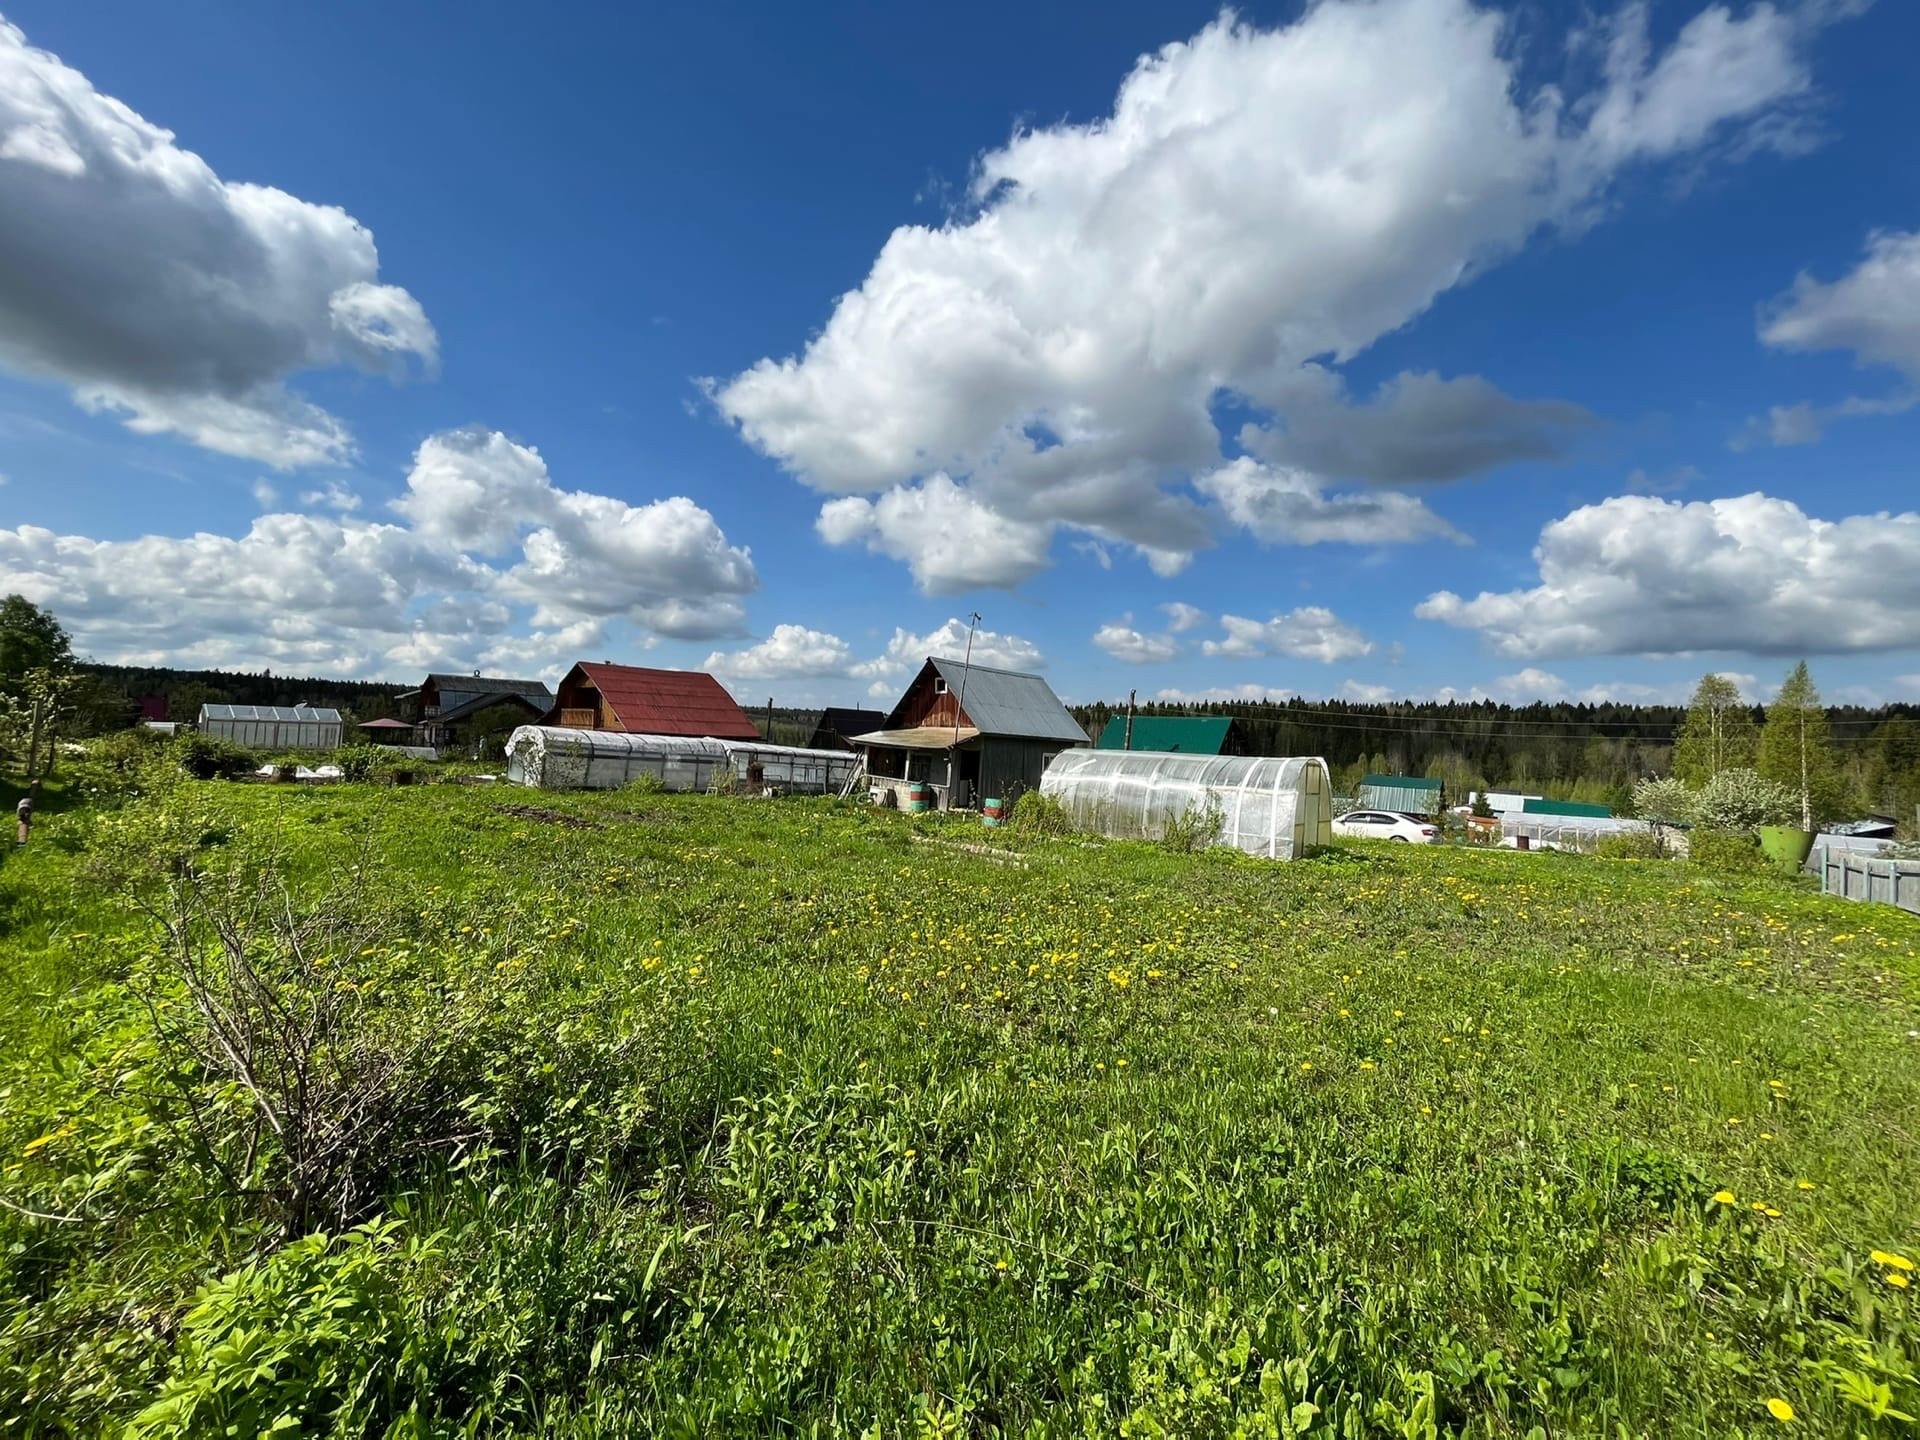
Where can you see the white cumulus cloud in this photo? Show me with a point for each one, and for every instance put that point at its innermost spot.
(666, 565)
(1311, 632)
(1257, 200)
(337, 594)
(1123, 642)
(1637, 574)
(947, 537)
(906, 651)
(155, 290)
(791, 650)
(1873, 310)
(1291, 507)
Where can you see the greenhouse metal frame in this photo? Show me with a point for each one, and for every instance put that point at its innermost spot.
(555, 757)
(1272, 806)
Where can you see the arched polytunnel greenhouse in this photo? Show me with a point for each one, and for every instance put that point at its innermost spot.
(1270, 806)
(554, 757)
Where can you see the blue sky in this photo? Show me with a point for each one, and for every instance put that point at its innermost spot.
(1396, 347)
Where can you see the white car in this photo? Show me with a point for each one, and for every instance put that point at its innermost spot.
(1385, 825)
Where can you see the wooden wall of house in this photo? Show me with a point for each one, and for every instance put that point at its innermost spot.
(1010, 767)
(576, 692)
(922, 706)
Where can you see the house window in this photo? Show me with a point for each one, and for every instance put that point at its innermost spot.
(939, 684)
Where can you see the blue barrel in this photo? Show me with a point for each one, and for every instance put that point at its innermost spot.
(993, 812)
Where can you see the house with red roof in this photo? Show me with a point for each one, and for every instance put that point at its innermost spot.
(643, 701)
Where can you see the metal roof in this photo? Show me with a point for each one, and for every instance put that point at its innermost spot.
(537, 704)
(1009, 702)
(286, 714)
(490, 685)
(1571, 808)
(1402, 782)
(920, 737)
(1174, 734)
(385, 725)
(669, 702)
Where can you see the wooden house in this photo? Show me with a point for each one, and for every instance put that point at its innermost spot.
(969, 732)
(642, 701)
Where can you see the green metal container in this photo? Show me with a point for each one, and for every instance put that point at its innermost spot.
(919, 797)
(1786, 846)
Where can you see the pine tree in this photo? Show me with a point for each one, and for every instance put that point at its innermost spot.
(1718, 734)
(1796, 751)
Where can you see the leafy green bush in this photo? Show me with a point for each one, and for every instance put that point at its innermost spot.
(1039, 814)
(315, 1339)
(642, 785)
(1731, 851)
(116, 765)
(1664, 802)
(208, 757)
(1738, 802)
(1635, 845)
(361, 763)
(1196, 828)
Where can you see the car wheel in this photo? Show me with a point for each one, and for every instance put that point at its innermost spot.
(1400, 839)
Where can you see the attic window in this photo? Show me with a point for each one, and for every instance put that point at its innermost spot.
(939, 684)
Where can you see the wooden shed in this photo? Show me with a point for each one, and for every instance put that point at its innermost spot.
(969, 732)
(648, 702)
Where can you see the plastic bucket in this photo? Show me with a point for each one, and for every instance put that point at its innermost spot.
(919, 797)
(993, 812)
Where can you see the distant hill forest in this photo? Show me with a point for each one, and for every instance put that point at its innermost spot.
(185, 691)
(1568, 751)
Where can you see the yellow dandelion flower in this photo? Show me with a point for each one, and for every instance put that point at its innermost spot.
(1892, 1261)
(1306, 1064)
(1896, 1279)
(1806, 1185)
(1724, 1197)
(1780, 1410)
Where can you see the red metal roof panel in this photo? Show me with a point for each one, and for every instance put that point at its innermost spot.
(670, 702)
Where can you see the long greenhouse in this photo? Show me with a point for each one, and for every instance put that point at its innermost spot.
(554, 757)
(1273, 807)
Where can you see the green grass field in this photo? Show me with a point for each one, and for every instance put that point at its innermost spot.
(690, 1116)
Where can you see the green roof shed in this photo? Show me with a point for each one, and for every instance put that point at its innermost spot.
(1175, 734)
(1409, 794)
(1573, 809)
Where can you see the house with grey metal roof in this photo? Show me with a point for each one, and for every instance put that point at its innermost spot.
(273, 727)
(968, 733)
(474, 712)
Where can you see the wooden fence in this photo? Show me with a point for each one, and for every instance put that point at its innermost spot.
(1891, 882)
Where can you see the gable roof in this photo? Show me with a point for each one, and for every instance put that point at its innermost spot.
(668, 702)
(1180, 734)
(1007, 702)
(486, 700)
(845, 722)
(491, 685)
(1401, 782)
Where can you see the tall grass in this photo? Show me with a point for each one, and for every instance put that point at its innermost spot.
(781, 1122)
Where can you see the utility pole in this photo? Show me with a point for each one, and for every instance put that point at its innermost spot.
(1127, 744)
(959, 708)
(769, 719)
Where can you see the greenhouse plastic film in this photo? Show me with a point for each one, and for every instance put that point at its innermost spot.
(554, 757)
(1276, 807)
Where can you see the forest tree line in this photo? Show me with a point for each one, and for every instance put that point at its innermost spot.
(1561, 749)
